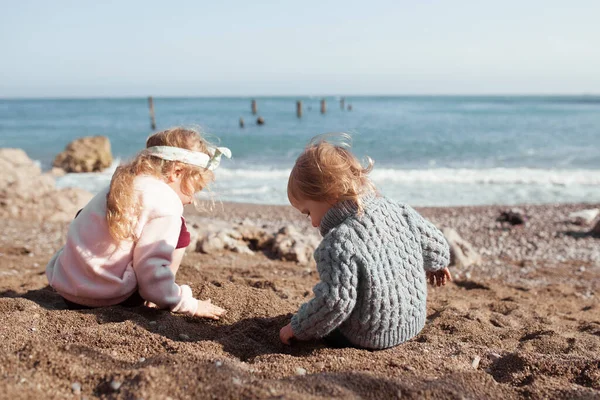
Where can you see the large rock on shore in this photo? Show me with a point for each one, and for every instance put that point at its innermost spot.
(86, 154)
(27, 193)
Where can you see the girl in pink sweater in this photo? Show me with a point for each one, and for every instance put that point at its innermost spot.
(126, 244)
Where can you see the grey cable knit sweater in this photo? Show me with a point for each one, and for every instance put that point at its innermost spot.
(372, 269)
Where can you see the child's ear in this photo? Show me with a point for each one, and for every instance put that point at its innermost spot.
(175, 173)
(332, 200)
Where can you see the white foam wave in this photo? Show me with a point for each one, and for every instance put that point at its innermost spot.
(90, 181)
(525, 176)
(433, 186)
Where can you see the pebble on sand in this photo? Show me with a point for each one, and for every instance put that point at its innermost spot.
(300, 371)
(115, 385)
(475, 362)
(183, 336)
(76, 387)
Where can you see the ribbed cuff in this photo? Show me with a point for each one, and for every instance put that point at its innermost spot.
(298, 334)
(387, 339)
(188, 304)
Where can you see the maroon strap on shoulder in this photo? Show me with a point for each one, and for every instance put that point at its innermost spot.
(184, 236)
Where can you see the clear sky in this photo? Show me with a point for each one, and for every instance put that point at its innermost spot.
(85, 48)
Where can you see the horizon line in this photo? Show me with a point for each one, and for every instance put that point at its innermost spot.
(303, 96)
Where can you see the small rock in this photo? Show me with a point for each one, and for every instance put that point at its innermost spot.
(513, 216)
(142, 359)
(236, 381)
(300, 371)
(596, 230)
(494, 356)
(76, 387)
(115, 385)
(183, 336)
(475, 362)
(584, 217)
(582, 269)
(462, 253)
(218, 363)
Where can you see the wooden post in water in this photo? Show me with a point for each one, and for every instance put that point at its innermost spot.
(342, 103)
(254, 108)
(152, 120)
(241, 122)
(299, 108)
(323, 106)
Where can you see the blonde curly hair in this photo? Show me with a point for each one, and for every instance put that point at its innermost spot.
(326, 171)
(122, 204)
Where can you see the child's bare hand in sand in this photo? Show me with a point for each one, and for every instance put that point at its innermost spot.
(206, 309)
(286, 333)
(440, 277)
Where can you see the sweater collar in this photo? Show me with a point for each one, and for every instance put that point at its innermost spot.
(342, 210)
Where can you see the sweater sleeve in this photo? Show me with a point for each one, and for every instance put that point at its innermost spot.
(152, 256)
(436, 251)
(335, 295)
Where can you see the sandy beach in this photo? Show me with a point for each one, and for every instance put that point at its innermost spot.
(523, 324)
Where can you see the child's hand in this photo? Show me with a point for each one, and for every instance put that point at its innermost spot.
(286, 333)
(439, 277)
(207, 309)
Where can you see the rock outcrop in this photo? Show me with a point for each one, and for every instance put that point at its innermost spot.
(86, 154)
(26, 192)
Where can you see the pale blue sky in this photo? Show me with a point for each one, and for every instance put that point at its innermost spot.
(200, 48)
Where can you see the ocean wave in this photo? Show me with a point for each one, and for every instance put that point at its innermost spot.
(241, 181)
(521, 176)
(525, 176)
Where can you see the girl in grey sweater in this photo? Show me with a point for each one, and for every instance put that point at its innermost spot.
(374, 260)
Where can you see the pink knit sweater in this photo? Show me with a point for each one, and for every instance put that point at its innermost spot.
(93, 269)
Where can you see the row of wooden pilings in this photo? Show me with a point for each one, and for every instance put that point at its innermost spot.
(254, 107)
(299, 108)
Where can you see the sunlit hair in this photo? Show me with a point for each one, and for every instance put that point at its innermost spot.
(123, 205)
(327, 171)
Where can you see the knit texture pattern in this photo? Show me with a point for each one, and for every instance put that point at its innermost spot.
(372, 274)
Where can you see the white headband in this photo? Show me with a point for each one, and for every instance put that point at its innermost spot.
(196, 158)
